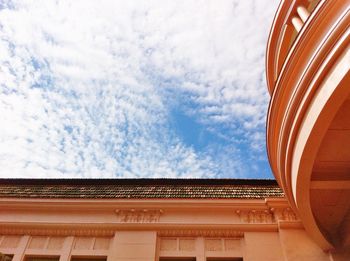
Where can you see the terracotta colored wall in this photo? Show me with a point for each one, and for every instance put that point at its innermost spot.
(147, 230)
(133, 246)
(260, 245)
(297, 246)
(288, 244)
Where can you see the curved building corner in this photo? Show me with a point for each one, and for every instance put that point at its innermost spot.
(308, 122)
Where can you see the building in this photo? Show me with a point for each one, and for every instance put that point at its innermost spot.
(304, 217)
(145, 219)
(308, 123)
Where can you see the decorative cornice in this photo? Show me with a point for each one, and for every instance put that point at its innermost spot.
(138, 215)
(246, 219)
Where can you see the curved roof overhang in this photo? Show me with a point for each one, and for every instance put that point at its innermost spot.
(306, 95)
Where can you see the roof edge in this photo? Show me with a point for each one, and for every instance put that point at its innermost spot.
(143, 181)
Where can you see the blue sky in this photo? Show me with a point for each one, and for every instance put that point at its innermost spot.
(131, 89)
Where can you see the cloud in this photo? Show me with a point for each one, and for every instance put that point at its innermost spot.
(88, 88)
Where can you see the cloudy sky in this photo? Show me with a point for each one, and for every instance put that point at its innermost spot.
(130, 89)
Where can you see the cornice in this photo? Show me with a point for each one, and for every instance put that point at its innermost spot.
(209, 232)
(39, 229)
(152, 215)
(267, 219)
(112, 204)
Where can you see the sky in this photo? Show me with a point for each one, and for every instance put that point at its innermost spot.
(134, 89)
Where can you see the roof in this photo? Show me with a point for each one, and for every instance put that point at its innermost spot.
(139, 188)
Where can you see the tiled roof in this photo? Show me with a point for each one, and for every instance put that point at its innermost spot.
(139, 188)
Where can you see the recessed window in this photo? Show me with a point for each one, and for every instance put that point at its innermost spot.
(5, 257)
(224, 259)
(42, 258)
(177, 259)
(94, 258)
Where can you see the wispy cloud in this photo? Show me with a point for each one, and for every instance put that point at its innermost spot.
(94, 88)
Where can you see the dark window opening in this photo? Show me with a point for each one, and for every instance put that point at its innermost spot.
(41, 258)
(89, 258)
(224, 259)
(5, 257)
(177, 259)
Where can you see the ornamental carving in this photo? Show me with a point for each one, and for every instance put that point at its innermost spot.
(255, 216)
(284, 214)
(138, 215)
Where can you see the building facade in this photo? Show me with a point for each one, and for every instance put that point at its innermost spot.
(304, 217)
(151, 220)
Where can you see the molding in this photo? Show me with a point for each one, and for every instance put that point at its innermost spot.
(277, 202)
(278, 211)
(113, 204)
(138, 215)
(330, 184)
(284, 214)
(256, 216)
(107, 229)
(290, 224)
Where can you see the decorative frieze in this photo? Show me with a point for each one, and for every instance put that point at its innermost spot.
(138, 215)
(284, 214)
(255, 216)
(267, 216)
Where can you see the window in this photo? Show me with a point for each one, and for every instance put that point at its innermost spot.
(4, 257)
(94, 258)
(178, 259)
(42, 258)
(224, 259)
